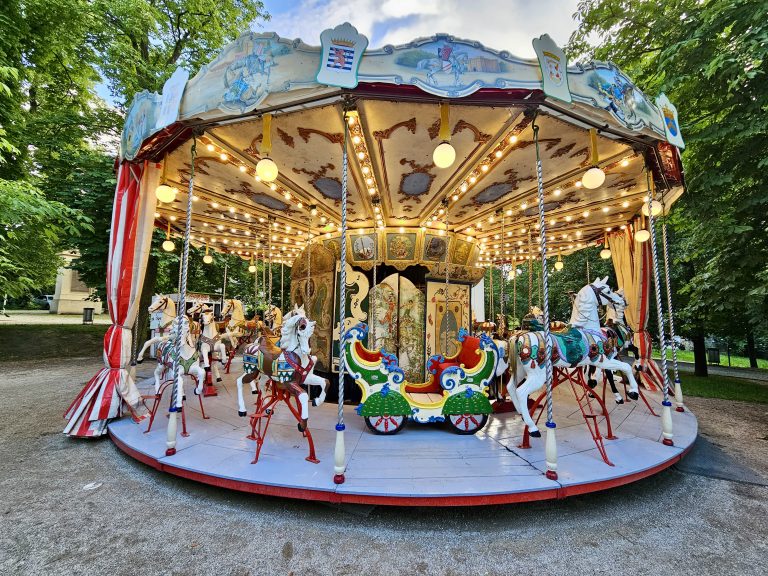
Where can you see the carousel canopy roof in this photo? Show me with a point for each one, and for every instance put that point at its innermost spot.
(393, 114)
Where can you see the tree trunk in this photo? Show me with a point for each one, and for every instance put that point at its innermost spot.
(699, 354)
(751, 352)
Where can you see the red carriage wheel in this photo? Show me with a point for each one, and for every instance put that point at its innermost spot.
(385, 424)
(467, 423)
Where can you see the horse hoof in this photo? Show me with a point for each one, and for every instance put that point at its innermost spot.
(242, 413)
(218, 379)
(592, 383)
(633, 395)
(254, 391)
(620, 401)
(535, 434)
(302, 426)
(139, 361)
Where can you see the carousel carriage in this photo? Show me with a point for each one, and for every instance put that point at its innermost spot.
(456, 391)
(392, 186)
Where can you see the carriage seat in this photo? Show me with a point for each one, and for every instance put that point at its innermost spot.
(469, 356)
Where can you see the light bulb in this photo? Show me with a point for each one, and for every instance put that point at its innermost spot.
(642, 236)
(444, 155)
(251, 268)
(266, 169)
(655, 208)
(593, 178)
(207, 258)
(559, 265)
(168, 246)
(165, 193)
(605, 253)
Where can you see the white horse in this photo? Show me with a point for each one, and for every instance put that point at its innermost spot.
(583, 344)
(235, 327)
(293, 362)
(210, 345)
(615, 327)
(167, 306)
(187, 360)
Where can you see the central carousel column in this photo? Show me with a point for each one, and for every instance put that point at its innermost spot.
(339, 456)
(550, 450)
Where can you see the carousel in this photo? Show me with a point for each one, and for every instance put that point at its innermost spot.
(389, 184)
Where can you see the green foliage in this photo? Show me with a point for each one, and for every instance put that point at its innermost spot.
(143, 41)
(724, 387)
(31, 228)
(572, 278)
(711, 58)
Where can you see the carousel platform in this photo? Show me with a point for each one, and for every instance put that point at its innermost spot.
(422, 465)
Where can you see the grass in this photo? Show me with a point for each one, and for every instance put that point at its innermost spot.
(724, 387)
(42, 341)
(736, 361)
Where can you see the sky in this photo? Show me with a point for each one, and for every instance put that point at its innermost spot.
(500, 24)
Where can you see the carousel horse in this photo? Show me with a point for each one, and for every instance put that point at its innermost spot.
(168, 307)
(209, 344)
(290, 367)
(583, 343)
(273, 317)
(188, 360)
(615, 327)
(235, 328)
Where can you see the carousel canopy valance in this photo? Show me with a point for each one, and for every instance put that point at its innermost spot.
(268, 97)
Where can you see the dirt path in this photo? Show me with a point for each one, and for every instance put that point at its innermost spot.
(139, 521)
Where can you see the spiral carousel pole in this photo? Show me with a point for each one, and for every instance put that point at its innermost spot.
(339, 456)
(666, 411)
(447, 274)
(182, 324)
(503, 295)
(550, 448)
(670, 311)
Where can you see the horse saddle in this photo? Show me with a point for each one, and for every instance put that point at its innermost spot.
(571, 343)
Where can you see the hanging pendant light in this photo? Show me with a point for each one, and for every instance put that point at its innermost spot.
(207, 259)
(444, 155)
(266, 169)
(165, 193)
(252, 267)
(594, 177)
(655, 208)
(168, 244)
(605, 253)
(642, 235)
(559, 264)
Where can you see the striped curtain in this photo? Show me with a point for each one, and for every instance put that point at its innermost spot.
(633, 265)
(112, 389)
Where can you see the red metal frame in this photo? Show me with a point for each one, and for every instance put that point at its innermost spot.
(156, 398)
(265, 409)
(578, 385)
(627, 399)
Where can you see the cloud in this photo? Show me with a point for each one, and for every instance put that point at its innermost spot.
(500, 24)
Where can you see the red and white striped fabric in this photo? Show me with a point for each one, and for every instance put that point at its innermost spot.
(633, 264)
(130, 239)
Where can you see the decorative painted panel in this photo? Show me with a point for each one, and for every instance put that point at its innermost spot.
(444, 318)
(357, 287)
(312, 285)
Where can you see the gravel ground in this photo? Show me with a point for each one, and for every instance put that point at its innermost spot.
(139, 521)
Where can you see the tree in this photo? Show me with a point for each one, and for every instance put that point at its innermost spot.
(31, 228)
(143, 41)
(711, 57)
